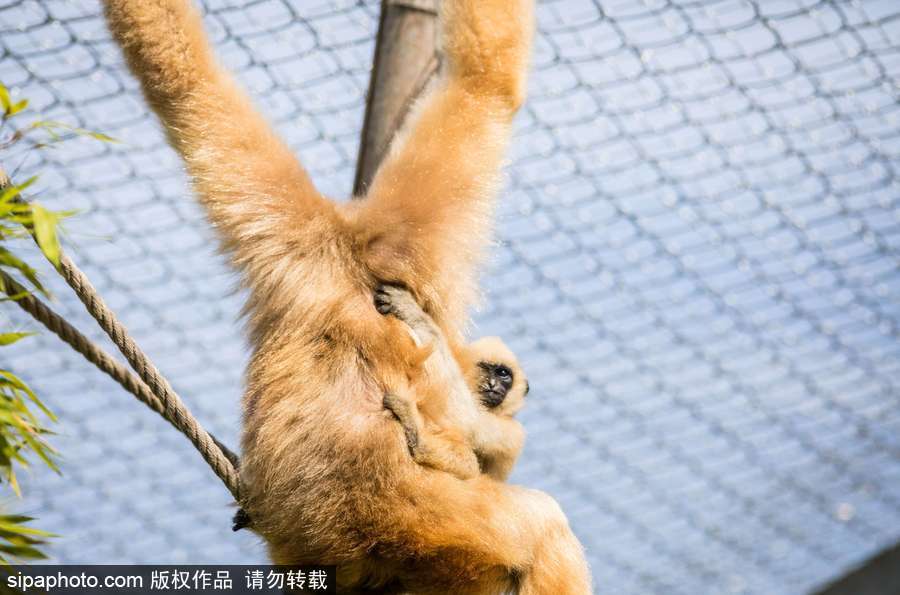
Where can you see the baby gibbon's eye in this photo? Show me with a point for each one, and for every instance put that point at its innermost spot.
(503, 373)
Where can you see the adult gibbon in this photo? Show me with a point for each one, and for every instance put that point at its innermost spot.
(326, 473)
(488, 442)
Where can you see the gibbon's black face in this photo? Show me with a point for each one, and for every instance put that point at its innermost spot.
(496, 381)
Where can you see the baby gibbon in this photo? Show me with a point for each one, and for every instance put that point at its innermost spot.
(490, 374)
(326, 476)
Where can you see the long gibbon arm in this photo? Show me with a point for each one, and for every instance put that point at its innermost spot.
(252, 186)
(431, 201)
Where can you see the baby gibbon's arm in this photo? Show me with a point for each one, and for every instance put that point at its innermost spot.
(430, 204)
(498, 442)
(250, 183)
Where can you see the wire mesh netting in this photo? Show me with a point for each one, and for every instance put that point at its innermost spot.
(698, 267)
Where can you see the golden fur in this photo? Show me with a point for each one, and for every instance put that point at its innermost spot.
(326, 473)
(493, 442)
(466, 437)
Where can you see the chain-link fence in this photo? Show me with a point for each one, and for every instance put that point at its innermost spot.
(698, 267)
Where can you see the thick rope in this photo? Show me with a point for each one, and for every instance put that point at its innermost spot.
(222, 460)
(151, 387)
(174, 408)
(73, 337)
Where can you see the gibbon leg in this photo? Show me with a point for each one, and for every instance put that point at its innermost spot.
(404, 409)
(427, 215)
(503, 535)
(254, 189)
(441, 450)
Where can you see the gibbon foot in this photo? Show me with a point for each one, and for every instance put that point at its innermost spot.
(404, 411)
(241, 520)
(398, 302)
(383, 302)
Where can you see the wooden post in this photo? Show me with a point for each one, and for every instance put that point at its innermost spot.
(406, 59)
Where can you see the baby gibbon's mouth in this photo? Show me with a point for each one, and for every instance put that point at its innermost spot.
(493, 398)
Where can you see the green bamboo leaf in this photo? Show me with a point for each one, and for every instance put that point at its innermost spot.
(13, 525)
(21, 425)
(5, 102)
(42, 450)
(10, 338)
(13, 452)
(10, 379)
(14, 297)
(22, 551)
(14, 190)
(19, 538)
(17, 107)
(9, 259)
(45, 232)
(22, 433)
(8, 209)
(13, 482)
(6, 418)
(102, 137)
(17, 384)
(16, 518)
(52, 126)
